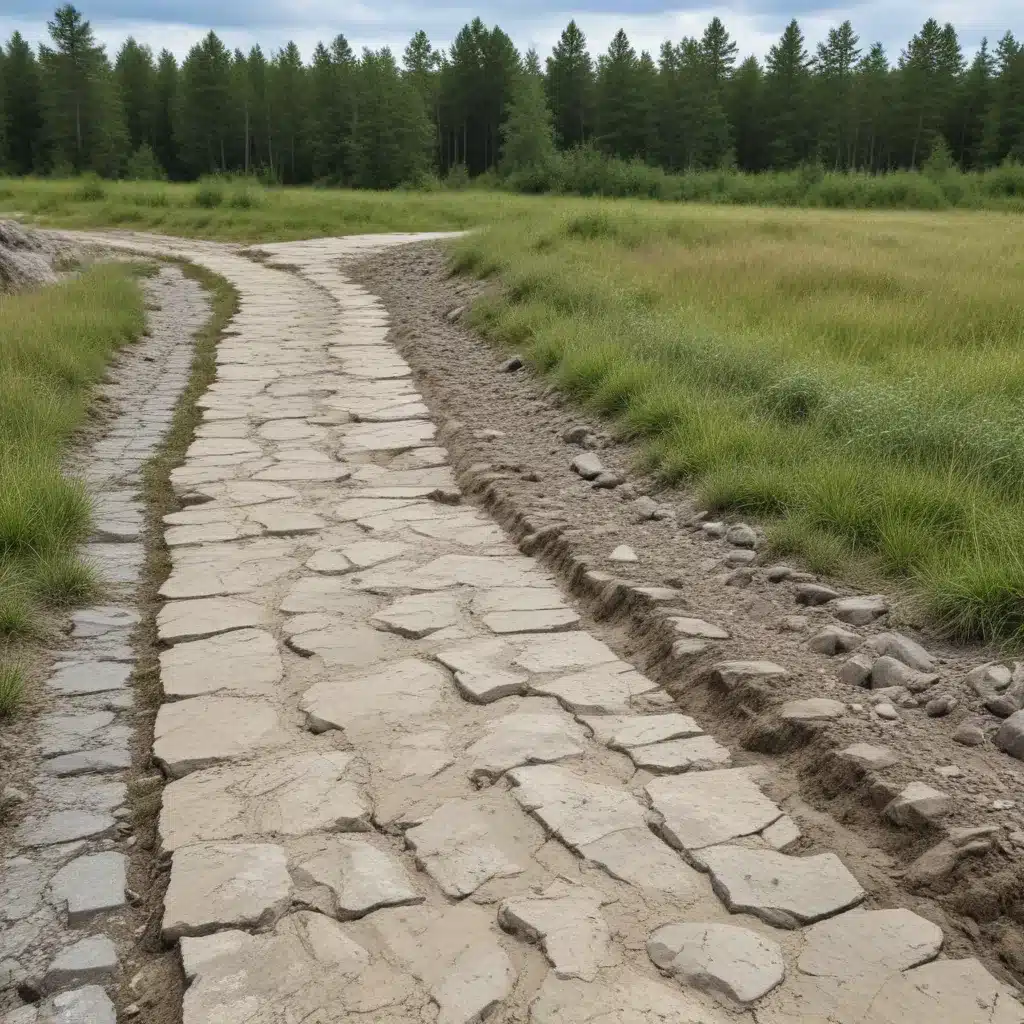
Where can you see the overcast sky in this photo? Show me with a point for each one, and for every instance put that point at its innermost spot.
(754, 24)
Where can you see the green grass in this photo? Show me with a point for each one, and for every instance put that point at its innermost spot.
(12, 688)
(244, 212)
(55, 344)
(853, 380)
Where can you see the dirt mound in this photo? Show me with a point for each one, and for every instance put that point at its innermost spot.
(26, 257)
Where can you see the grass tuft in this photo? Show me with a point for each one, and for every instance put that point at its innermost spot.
(12, 688)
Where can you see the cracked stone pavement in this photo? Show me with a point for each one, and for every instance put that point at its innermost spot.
(406, 785)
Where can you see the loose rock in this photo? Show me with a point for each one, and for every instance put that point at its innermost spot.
(741, 536)
(833, 640)
(623, 553)
(938, 707)
(970, 734)
(814, 594)
(511, 365)
(918, 805)
(860, 611)
(719, 958)
(587, 465)
(857, 670)
(902, 648)
(1010, 737)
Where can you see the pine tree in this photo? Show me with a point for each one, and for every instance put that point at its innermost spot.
(788, 99)
(391, 136)
(718, 52)
(528, 140)
(83, 123)
(136, 81)
(165, 102)
(289, 106)
(836, 67)
(205, 123)
(23, 121)
(622, 111)
(569, 82)
(975, 99)
(1004, 124)
(874, 89)
(745, 109)
(330, 123)
(422, 65)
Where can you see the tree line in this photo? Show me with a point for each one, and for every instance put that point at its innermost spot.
(374, 120)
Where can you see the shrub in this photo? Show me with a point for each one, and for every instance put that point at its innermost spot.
(143, 166)
(90, 189)
(209, 193)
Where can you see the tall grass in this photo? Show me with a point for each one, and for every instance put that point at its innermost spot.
(55, 344)
(854, 380)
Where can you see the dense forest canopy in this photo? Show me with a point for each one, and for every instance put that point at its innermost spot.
(377, 120)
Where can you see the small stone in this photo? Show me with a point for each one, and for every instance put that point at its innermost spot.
(644, 509)
(90, 885)
(588, 466)
(741, 557)
(453, 314)
(938, 707)
(685, 649)
(813, 594)
(1010, 737)
(857, 670)
(576, 434)
(902, 648)
(607, 480)
(10, 797)
(888, 671)
(741, 536)
(715, 530)
(985, 680)
(86, 1005)
(732, 674)
(833, 640)
(778, 573)
(720, 958)
(739, 578)
(90, 961)
(698, 628)
(949, 771)
(860, 611)
(939, 861)
(887, 711)
(868, 758)
(1003, 706)
(1003, 805)
(917, 805)
(623, 553)
(794, 623)
(812, 709)
(970, 734)
(511, 365)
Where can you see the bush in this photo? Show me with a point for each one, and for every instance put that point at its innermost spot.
(90, 189)
(457, 178)
(209, 193)
(143, 166)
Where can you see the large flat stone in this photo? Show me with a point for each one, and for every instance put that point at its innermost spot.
(399, 690)
(620, 732)
(418, 615)
(475, 571)
(242, 663)
(577, 811)
(706, 808)
(553, 620)
(567, 922)
(782, 890)
(64, 827)
(223, 570)
(307, 969)
(287, 795)
(64, 734)
(225, 885)
(90, 885)
(483, 671)
(202, 731)
(328, 594)
(672, 756)
(86, 1005)
(638, 857)
(625, 998)
(192, 620)
(523, 737)
(567, 653)
(89, 961)
(89, 677)
(720, 958)
(464, 844)
(869, 943)
(342, 644)
(605, 689)
(358, 877)
(456, 953)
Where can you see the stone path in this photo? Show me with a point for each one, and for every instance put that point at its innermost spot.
(62, 892)
(407, 786)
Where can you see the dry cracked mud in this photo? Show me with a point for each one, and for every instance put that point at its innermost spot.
(420, 770)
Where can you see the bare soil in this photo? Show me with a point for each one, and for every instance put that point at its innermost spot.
(505, 435)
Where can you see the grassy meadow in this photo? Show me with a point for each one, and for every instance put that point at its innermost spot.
(852, 379)
(55, 344)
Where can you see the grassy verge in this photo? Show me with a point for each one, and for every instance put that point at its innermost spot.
(855, 380)
(239, 212)
(54, 346)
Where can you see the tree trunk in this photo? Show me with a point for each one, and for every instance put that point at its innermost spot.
(246, 138)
